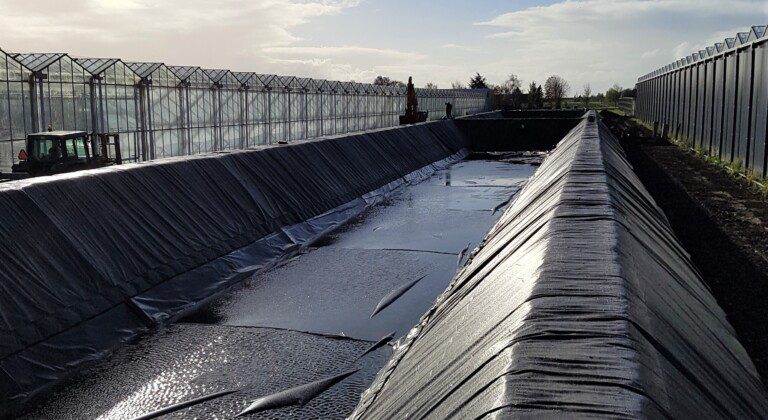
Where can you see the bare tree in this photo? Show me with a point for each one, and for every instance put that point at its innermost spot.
(509, 85)
(555, 89)
(587, 95)
(458, 85)
(430, 85)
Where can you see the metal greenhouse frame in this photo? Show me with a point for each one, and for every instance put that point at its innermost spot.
(277, 107)
(60, 90)
(196, 108)
(112, 87)
(254, 103)
(16, 104)
(227, 112)
(161, 111)
(313, 110)
(715, 100)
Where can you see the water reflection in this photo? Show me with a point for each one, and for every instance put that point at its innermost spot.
(174, 384)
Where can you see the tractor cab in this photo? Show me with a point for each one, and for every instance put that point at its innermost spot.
(53, 152)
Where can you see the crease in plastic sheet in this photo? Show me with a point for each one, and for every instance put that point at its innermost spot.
(579, 302)
(94, 257)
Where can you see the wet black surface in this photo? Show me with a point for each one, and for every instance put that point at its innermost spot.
(430, 217)
(334, 288)
(187, 361)
(242, 339)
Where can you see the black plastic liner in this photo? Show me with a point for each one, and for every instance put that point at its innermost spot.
(519, 134)
(529, 114)
(579, 302)
(91, 258)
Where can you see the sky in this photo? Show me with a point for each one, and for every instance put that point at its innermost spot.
(600, 42)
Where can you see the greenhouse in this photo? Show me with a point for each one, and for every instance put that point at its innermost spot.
(254, 100)
(61, 91)
(226, 110)
(159, 111)
(112, 88)
(162, 110)
(279, 99)
(313, 110)
(327, 107)
(715, 99)
(197, 114)
(16, 103)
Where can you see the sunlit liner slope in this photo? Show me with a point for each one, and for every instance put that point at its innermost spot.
(580, 302)
(91, 258)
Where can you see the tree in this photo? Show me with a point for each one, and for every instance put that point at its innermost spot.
(600, 97)
(382, 81)
(516, 98)
(458, 85)
(430, 85)
(613, 94)
(629, 93)
(555, 89)
(478, 82)
(386, 81)
(587, 95)
(509, 85)
(539, 97)
(534, 96)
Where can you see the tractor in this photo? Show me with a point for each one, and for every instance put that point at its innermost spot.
(53, 152)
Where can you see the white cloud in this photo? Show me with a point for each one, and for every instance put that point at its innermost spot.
(343, 51)
(225, 33)
(458, 47)
(650, 53)
(118, 5)
(323, 69)
(595, 41)
(682, 49)
(602, 41)
(240, 35)
(348, 62)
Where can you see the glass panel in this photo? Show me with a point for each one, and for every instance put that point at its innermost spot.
(196, 118)
(71, 150)
(79, 144)
(44, 149)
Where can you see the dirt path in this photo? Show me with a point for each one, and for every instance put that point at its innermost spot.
(722, 222)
